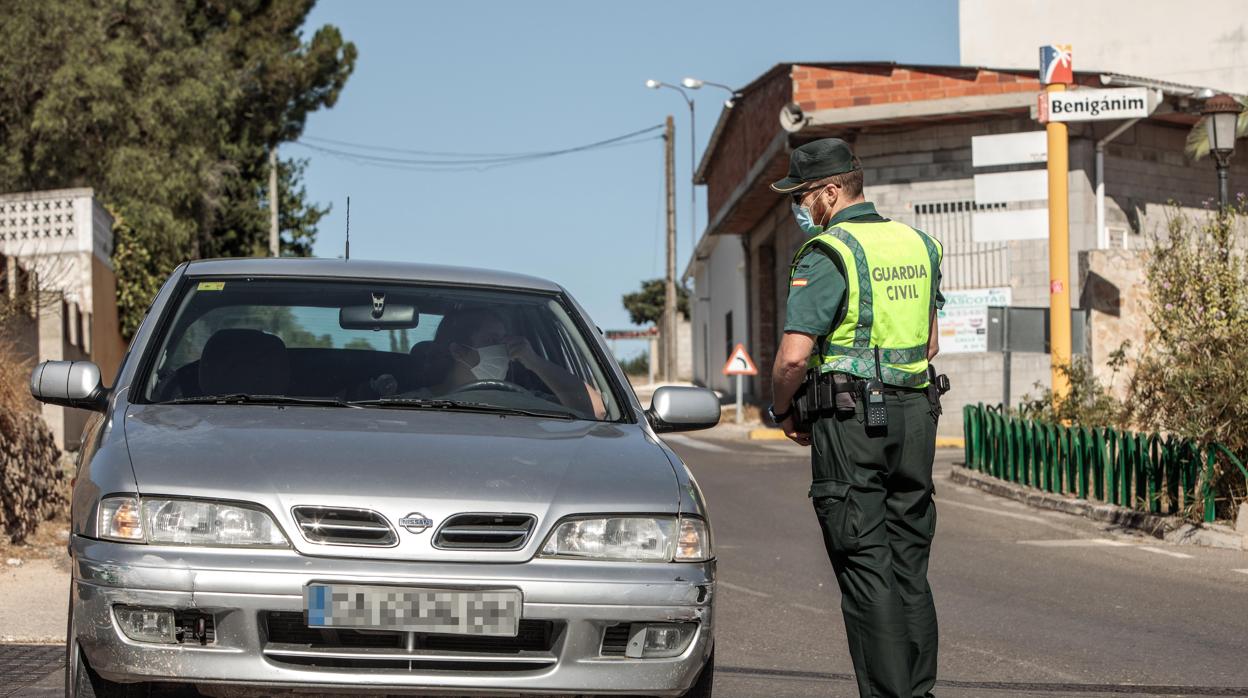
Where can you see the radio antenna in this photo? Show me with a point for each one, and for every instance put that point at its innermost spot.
(348, 255)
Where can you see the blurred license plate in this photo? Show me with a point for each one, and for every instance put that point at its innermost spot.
(494, 612)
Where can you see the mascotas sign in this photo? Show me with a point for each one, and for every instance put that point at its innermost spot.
(1096, 105)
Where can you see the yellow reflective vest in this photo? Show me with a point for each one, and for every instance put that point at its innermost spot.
(891, 276)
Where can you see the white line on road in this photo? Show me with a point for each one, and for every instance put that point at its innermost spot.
(1159, 551)
(987, 510)
(744, 590)
(1241, 571)
(695, 443)
(804, 607)
(1076, 543)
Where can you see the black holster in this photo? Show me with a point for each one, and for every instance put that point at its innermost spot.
(822, 394)
(937, 385)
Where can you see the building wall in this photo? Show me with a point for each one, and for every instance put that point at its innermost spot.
(719, 289)
(1201, 42)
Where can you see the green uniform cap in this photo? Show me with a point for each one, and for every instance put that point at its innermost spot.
(815, 161)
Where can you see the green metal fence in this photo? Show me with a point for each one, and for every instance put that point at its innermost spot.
(1139, 471)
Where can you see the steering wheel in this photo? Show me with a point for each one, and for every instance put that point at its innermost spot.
(492, 384)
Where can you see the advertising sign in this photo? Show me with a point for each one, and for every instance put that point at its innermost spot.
(964, 319)
(1096, 105)
(1056, 65)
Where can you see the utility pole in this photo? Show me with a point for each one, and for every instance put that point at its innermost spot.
(669, 305)
(275, 249)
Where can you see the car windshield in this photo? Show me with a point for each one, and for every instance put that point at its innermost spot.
(378, 344)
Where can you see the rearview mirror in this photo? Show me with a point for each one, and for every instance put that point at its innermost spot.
(378, 316)
(676, 408)
(69, 384)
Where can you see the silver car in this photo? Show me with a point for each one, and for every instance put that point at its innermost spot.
(359, 477)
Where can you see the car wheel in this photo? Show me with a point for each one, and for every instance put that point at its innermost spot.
(88, 684)
(706, 680)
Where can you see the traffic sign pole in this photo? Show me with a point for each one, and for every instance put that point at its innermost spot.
(1059, 250)
(740, 418)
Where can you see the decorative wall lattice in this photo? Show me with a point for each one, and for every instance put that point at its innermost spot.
(36, 220)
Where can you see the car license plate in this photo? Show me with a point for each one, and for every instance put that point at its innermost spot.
(450, 611)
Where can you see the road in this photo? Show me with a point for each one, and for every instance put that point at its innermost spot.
(1031, 603)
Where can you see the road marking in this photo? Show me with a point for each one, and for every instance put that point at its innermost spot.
(988, 510)
(804, 607)
(1241, 571)
(1076, 543)
(744, 590)
(695, 443)
(1159, 551)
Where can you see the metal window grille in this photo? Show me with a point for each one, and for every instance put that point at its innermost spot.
(967, 264)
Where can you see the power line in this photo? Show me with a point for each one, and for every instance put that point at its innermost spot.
(467, 161)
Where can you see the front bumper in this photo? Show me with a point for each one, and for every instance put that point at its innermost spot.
(240, 588)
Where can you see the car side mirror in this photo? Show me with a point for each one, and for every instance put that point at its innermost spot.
(69, 384)
(676, 408)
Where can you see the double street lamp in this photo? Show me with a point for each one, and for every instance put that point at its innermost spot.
(692, 84)
(1221, 116)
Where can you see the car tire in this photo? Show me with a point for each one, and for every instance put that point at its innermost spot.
(706, 680)
(88, 684)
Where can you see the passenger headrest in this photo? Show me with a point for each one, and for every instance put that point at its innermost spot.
(431, 363)
(244, 361)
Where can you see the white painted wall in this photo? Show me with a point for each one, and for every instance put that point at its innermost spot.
(1197, 42)
(718, 288)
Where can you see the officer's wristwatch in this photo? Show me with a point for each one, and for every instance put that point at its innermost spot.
(778, 418)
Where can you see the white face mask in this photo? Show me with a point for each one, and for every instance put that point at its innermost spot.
(492, 362)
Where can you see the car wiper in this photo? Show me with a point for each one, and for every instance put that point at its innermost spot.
(237, 398)
(444, 404)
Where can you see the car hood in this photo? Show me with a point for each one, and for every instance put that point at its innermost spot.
(397, 462)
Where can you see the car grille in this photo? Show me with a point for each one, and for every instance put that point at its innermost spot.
(615, 640)
(289, 640)
(485, 532)
(341, 526)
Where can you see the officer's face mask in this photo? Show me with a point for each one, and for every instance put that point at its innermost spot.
(492, 362)
(805, 219)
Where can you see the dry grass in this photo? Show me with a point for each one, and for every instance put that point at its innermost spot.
(33, 485)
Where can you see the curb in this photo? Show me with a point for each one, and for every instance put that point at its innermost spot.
(773, 434)
(1169, 528)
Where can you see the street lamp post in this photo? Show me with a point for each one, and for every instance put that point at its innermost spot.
(1221, 114)
(696, 84)
(693, 161)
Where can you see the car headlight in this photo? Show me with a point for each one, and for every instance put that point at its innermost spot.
(631, 538)
(187, 522)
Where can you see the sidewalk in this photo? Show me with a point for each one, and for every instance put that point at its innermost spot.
(34, 599)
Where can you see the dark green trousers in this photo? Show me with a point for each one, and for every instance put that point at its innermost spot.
(872, 492)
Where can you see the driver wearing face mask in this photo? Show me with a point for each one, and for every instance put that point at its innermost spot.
(481, 353)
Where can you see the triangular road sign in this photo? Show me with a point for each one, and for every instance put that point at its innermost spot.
(740, 363)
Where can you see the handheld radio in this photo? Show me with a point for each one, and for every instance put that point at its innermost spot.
(873, 397)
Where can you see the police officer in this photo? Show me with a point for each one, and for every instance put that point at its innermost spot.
(860, 330)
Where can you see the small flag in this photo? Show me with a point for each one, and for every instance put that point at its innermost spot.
(799, 282)
(1056, 64)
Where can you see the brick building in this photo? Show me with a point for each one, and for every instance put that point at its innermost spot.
(912, 126)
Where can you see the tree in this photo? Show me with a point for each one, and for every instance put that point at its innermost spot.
(646, 306)
(168, 110)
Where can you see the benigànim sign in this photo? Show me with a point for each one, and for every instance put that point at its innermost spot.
(1094, 105)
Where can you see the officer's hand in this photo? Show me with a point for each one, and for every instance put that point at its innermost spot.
(801, 438)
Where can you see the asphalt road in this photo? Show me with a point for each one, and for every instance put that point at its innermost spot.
(1030, 603)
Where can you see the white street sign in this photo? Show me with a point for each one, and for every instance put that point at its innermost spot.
(1004, 187)
(964, 319)
(1000, 226)
(1009, 149)
(1096, 105)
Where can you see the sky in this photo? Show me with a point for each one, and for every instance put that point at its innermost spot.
(511, 77)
